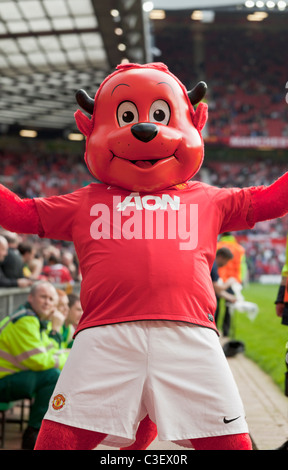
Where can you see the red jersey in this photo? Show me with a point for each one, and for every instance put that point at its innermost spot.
(145, 256)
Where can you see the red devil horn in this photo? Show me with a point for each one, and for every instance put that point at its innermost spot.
(84, 100)
(197, 93)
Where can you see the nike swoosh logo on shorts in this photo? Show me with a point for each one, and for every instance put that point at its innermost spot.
(227, 421)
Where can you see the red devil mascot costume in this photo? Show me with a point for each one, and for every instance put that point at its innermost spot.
(147, 344)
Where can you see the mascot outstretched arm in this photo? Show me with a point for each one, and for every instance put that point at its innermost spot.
(142, 352)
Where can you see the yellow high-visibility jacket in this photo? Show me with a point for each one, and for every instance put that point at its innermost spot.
(25, 344)
(285, 267)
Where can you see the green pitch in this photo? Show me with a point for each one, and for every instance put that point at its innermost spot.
(265, 337)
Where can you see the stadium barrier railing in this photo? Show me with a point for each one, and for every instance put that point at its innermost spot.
(11, 298)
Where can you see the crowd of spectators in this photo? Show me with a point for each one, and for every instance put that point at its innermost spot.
(31, 259)
(245, 73)
(248, 86)
(42, 171)
(52, 176)
(38, 171)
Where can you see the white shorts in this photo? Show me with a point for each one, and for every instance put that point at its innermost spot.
(174, 371)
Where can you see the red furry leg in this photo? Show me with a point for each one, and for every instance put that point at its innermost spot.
(230, 442)
(57, 436)
(146, 433)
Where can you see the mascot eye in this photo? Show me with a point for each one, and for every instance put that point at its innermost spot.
(127, 113)
(159, 112)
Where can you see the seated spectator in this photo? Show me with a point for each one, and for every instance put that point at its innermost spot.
(56, 272)
(72, 320)
(69, 306)
(30, 356)
(48, 250)
(7, 281)
(12, 265)
(32, 266)
(67, 260)
(63, 303)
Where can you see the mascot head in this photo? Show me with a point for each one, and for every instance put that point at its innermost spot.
(144, 134)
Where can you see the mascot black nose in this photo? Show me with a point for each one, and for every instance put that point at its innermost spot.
(144, 131)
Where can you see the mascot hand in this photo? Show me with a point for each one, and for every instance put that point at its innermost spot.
(18, 215)
(269, 202)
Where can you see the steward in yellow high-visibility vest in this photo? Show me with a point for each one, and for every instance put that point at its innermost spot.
(282, 308)
(285, 267)
(282, 295)
(30, 356)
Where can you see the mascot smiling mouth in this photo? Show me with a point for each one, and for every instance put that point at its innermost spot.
(146, 164)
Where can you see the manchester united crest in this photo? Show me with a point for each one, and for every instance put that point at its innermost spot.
(58, 402)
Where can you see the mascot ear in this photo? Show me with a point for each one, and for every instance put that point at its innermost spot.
(201, 114)
(84, 124)
(200, 117)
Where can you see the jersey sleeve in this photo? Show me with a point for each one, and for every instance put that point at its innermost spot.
(57, 215)
(243, 208)
(233, 205)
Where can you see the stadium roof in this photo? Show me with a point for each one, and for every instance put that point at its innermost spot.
(49, 48)
(191, 4)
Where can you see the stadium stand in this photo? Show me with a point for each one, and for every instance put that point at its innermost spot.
(244, 71)
(251, 104)
(64, 171)
(243, 66)
(246, 75)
